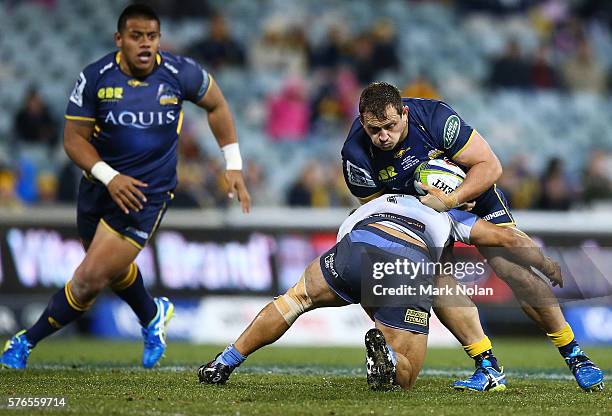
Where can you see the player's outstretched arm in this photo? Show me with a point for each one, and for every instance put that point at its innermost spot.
(518, 245)
(222, 126)
(122, 188)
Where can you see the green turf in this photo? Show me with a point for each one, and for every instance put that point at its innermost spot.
(103, 378)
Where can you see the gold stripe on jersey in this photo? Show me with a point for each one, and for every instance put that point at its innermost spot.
(79, 118)
(464, 146)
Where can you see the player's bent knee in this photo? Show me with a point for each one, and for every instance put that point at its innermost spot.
(294, 303)
(88, 281)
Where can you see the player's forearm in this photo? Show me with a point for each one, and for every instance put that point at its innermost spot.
(525, 253)
(478, 179)
(84, 155)
(222, 125)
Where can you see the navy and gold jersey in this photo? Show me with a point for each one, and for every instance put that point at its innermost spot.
(138, 120)
(435, 131)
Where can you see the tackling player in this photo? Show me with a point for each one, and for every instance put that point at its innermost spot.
(386, 229)
(386, 143)
(123, 121)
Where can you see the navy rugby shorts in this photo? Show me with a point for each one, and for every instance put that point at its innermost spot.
(94, 205)
(493, 206)
(347, 268)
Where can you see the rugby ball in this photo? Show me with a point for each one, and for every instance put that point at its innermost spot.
(440, 173)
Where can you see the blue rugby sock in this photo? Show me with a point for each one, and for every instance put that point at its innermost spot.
(61, 310)
(230, 356)
(132, 291)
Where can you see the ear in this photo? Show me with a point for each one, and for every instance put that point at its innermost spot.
(405, 111)
(118, 40)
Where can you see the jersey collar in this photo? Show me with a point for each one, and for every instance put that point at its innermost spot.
(158, 58)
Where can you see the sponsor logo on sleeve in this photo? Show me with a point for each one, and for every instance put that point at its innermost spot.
(76, 96)
(451, 130)
(358, 176)
(328, 261)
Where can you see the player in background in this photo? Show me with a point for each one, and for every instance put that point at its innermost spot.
(389, 139)
(386, 229)
(123, 122)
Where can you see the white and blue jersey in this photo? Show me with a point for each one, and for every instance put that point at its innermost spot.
(386, 230)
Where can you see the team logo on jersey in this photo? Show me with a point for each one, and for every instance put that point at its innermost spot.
(110, 93)
(416, 317)
(166, 96)
(451, 130)
(76, 96)
(435, 153)
(358, 176)
(401, 153)
(135, 83)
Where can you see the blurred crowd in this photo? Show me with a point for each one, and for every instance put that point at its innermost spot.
(318, 95)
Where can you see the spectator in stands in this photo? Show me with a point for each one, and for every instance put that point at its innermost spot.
(519, 184)
(181, 9)
(363, 58)
(310, 188)
(557, 193)
(190, 170)
(340, 194)
(259, 186)
(288, 113)
(582, 71)
(280, 49)
(509, 70)
(33, 122)
(335, 99)
(8, 192)
(47, 186)
(334, 51)
(596, 181)
(385, 54)
(542, 73)
(420, 87)
(219, 48)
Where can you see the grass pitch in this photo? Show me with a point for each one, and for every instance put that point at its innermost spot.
(103, 378)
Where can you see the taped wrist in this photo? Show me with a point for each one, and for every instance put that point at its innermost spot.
(231, 153)
(103, 172)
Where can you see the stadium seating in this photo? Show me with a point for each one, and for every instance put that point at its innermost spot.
(432, 38)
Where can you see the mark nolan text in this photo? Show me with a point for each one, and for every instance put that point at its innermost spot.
(430, 290)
